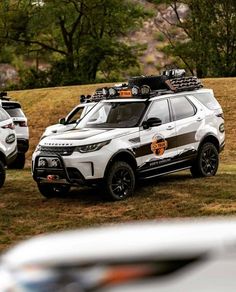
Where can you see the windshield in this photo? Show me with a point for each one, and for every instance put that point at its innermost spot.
(114, 115)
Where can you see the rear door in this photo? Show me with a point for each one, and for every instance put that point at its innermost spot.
(189, 120)
(157, 148)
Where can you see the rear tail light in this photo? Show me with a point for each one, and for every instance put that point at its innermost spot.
(221, 116)
(23, 124)
(9, 126)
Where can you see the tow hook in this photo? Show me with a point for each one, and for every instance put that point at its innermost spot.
(52, 177)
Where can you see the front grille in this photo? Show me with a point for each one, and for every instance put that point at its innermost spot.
(64, 151)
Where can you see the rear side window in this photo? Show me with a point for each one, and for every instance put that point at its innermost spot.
(3, 115)
(182, 107)
(208, 100)
(15, 112)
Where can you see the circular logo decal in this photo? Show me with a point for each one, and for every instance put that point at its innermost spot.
(158, 145)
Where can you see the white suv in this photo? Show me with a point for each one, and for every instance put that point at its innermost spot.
(13, 108)
(8, 148)
(70, 121)
(144, 134)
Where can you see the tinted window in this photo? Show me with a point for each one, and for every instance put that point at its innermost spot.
(15, 112)
(160, 109)
(115, 115)
(73, 117)
(208, 100)
(182, 108)
(3, 115)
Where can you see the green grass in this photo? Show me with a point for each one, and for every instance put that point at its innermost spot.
(24, 212)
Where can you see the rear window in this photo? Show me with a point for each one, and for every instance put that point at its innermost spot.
(3, 115)
(208, 100)
(15, 112)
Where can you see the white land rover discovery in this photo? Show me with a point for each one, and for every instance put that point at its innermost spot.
(144, 131)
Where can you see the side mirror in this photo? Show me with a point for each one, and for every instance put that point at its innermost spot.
(62, 121)
(152, 122)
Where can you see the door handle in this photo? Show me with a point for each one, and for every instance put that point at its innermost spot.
(170, 127)
(199, 119)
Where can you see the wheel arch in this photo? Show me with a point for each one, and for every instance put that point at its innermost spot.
(211, 138)
(122, 155)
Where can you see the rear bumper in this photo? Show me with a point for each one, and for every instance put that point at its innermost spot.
(22, 145)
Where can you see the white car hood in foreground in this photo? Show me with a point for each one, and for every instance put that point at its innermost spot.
(168, 240)
(85, 136)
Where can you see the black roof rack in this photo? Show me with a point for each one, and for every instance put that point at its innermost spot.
(3, 95)
(171, 81)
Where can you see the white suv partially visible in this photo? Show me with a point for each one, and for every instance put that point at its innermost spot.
(8, 146)
(70, 121)
(14, 109)
(137, 133)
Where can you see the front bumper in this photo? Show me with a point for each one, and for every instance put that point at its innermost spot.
(59, 175)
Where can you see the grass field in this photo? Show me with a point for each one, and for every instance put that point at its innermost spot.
(24, 212)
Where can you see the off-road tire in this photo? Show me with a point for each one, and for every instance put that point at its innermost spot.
(53, 190)
(2, 174)
(207, 161)
(154, 82)
(120, 181)
(19, 162)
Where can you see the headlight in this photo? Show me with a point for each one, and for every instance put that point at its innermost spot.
(91, 147)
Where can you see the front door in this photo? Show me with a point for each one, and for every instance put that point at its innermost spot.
(157, 143)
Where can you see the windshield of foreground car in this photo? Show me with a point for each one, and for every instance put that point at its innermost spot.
(114, 115)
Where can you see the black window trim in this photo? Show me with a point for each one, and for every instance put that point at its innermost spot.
(173, 112)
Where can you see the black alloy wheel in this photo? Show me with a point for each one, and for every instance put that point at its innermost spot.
(120, 181)
(207, 161)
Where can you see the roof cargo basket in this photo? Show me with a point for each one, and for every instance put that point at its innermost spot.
(171, 81)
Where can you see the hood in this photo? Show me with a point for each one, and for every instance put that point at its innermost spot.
(86, 136)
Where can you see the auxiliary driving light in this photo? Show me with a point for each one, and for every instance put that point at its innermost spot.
(55, 163)
(112, 91)
(42, 162)
(145, 90)
(135, 90)
(105, 92)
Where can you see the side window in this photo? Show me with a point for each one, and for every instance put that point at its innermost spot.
(74, 116)
(182, 108)
(208, 100)
(160, 109)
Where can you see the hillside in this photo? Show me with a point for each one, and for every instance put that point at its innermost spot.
(44, 107)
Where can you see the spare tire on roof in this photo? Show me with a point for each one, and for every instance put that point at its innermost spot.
(154, 82)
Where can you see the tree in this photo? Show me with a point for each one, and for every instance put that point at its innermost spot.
(80, 34)
(208, 44)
